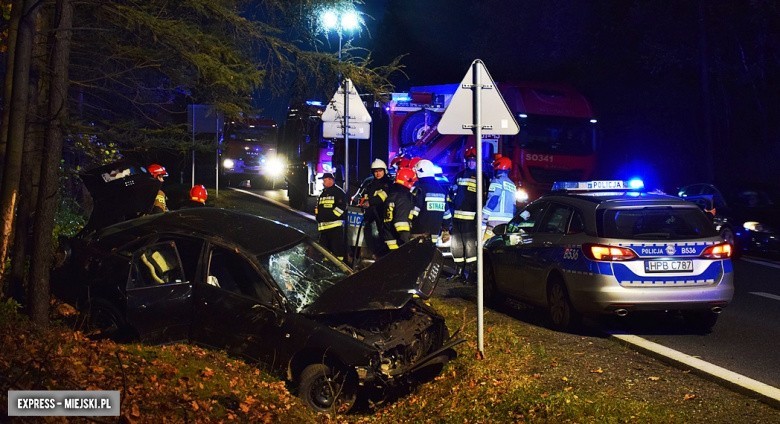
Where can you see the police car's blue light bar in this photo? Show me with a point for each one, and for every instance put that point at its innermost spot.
(598, 185)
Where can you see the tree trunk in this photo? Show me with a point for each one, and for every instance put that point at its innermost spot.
(31, 162)
(52, 153)
(17, 122)
(13, 28)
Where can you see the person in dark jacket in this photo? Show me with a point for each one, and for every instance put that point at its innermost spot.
(372, 195)
(464, 214)
(330, 212)
(431, 211)
(396, 227)
(198, 196)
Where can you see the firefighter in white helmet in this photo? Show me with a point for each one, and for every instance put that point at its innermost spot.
(371, 195)
(431, 211)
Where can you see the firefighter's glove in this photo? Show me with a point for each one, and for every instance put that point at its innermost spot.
(445, 235)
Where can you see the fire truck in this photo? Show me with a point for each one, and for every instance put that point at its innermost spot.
(557, 138)
(249, 153)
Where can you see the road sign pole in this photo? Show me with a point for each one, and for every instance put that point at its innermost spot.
(478, 140)
(346, 135)
(463, 116)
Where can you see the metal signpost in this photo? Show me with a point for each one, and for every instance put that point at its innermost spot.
(346, 117)
(476, 107)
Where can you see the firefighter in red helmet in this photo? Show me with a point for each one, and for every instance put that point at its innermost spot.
(500, 205)
(160, 201)
(397, 210)
(464, 214)
(198, 196)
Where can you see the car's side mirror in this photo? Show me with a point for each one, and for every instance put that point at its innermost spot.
(499, 229)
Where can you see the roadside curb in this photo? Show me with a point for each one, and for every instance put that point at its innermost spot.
(763, 392)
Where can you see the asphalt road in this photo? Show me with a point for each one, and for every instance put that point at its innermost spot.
(746, 339)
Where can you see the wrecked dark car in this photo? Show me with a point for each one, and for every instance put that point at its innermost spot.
(265, 291)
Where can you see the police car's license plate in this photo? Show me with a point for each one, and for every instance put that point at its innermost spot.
(669, 266)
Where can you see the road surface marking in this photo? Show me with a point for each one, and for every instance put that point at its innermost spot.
(760, 262)
(769, 394)
(769, 295)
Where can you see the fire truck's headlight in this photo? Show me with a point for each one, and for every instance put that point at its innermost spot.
(228, 164)
(521, 196)
(275, 167)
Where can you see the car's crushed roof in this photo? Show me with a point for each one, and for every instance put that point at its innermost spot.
(255, 234)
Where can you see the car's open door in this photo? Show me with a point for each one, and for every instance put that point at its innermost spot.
(159, 297)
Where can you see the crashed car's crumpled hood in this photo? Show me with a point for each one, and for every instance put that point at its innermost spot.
(387, 284)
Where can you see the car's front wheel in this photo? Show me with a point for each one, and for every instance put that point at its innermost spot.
(326, 389)
(561, 312)
(102, 320)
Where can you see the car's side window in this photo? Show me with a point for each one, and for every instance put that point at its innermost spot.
(528, 218)
(231, 272)
(556, 221)
(577, 225)
(156, 265)
(189, 252)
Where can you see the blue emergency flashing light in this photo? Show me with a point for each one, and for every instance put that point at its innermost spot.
(614, 185)
(313, 102)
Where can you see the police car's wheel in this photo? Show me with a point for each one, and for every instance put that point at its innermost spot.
(700, 321)
(325, 389)
(563, 316)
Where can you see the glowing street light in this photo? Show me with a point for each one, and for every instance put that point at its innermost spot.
(342, 20)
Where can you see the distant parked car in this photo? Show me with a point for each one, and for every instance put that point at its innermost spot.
(601, 247)
(262, 290)
(748, 217)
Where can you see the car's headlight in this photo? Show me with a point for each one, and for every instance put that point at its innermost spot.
(228, 164)
(275, 167)
(521, 196)
(757, 227)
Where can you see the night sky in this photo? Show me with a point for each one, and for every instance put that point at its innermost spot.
(669, 80)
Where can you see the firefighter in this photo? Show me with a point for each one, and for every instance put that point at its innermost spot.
(372, 194)
(464, 225)
(198, 196)
(431, 213)
(397, 210)
(160, 201)
(330, 212)
(500, 205)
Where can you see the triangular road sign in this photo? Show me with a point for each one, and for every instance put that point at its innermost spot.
(334, 112)
(495, 116)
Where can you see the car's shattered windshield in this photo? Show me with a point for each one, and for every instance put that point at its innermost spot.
(303, 272)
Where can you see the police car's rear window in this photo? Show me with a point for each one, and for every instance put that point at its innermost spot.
(655, 223)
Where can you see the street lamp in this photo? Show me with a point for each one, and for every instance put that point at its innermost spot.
(342, 20)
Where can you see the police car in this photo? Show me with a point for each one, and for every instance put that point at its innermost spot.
(609, 247)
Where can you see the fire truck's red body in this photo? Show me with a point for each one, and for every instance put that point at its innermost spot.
(557, 139)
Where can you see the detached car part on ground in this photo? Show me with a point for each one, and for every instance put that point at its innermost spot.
(264, 291)
(611, 252)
